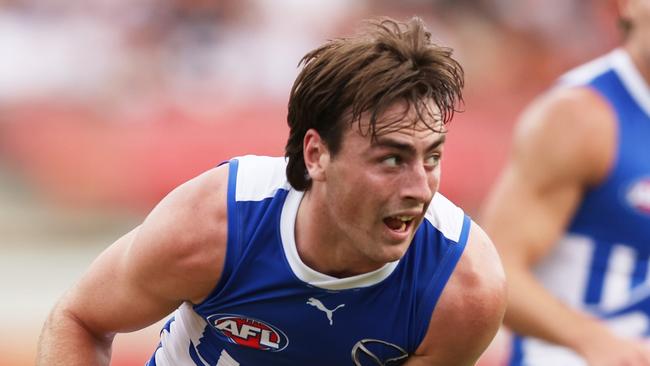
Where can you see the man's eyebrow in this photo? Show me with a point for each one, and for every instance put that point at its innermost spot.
(397, 145)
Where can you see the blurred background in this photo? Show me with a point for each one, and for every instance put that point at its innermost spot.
(106, 105)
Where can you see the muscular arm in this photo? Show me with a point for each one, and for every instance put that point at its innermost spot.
(564, 144)
(176, 255)
(470, 310)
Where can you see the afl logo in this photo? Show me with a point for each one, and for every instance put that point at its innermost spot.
(249, 332)
(638, 196)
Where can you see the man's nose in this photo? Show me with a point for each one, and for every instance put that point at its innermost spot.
(418, 184)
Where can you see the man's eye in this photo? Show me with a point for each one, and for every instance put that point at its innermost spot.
(391, 161)
(433, 160)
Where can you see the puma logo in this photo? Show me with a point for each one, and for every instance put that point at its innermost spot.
(319, 305)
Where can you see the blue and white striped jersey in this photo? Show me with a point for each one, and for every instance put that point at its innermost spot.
(601, 263)
(269, 308)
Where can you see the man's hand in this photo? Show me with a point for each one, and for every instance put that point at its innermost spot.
(603, 348)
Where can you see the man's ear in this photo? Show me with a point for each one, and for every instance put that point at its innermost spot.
(316, 155)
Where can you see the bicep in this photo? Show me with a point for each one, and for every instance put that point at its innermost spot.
(525, 216)
(551, 165)
(113, 296)
(176, 255)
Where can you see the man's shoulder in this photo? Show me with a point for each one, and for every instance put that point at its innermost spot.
(550, 138)
(479, 273)
(575, 107)
(471, 307)
(182, 242)
(574, 102)
(198, 206)
(479, 286)
(482, 264)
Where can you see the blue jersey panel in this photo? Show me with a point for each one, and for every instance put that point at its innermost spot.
(610, 212)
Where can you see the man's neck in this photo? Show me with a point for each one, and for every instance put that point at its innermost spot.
(319, 243)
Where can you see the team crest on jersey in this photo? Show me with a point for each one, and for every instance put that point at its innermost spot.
(249, 332)
(638, 196)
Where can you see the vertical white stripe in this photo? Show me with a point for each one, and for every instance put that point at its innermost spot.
(226, 360)
(187, 326)
(618, 277)
(565, 271)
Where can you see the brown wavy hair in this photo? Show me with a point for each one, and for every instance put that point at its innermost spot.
(346, 77)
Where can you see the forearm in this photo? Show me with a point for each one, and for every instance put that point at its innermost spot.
(533, 311)
(66, 341)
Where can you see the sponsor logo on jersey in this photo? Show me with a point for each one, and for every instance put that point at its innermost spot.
(249, 332)
(638, 196)
(375, 352)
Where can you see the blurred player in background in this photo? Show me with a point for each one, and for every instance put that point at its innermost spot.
(570, 213)
(337, 255)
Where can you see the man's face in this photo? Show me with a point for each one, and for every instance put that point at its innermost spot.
(378, 190)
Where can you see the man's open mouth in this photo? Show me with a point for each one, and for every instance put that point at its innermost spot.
(399, 223)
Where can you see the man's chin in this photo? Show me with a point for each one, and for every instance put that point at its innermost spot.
(395, 251)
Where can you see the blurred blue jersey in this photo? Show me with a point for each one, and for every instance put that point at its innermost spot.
(601, 264)
(269, 308)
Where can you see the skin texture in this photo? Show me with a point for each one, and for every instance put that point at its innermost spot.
(177, 254)
(550, 167)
